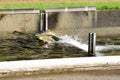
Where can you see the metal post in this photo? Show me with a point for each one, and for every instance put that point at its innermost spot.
(91, 44)
(42, 22)
(46, 21)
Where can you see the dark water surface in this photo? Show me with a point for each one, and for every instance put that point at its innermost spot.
(29, 47)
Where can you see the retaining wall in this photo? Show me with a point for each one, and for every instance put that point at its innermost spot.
(80, 23)
(18, 20)
(71, 20)
(108, 18)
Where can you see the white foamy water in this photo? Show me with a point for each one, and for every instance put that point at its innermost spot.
(107, 47)
(78, 44)
(99, 49)
(84, 46)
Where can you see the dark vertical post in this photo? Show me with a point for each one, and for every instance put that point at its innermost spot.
(42, 22)
(91, 44)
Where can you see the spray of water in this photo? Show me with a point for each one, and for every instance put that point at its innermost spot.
(74, 42)
(77, 42)
(84, 46)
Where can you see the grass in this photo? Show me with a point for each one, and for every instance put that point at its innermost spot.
(43, 6)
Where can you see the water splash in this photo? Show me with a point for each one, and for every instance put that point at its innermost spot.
(77, 42)
(74, 42)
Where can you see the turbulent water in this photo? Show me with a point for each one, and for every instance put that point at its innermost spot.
(84, 46)
(107, 47)
(74, 42)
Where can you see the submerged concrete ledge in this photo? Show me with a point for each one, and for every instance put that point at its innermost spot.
(56, 64)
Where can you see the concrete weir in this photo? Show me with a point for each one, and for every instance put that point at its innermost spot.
(83, 63)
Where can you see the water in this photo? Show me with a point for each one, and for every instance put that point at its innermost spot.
(110, 48)
(74, 42)
(84, 46)
(107, 47)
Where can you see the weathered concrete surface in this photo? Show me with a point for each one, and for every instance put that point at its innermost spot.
(24, 23)
(77, 75)
(78, 23)
(59, 65)
(103, 23)
(70, 22)
(108, 18)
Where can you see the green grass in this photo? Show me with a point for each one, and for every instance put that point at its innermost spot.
(43, 6)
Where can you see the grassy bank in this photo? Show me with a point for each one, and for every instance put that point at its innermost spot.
(43, 6)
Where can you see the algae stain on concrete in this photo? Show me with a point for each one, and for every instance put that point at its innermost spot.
(2, 16)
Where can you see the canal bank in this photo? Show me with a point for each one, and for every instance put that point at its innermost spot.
(16, 68)
(81, 75)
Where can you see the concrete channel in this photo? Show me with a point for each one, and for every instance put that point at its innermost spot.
(104, 67)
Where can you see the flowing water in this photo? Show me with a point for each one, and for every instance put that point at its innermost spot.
(74, 42)
(107, 47)
(27, 47)
(84, 46)
(83, 75)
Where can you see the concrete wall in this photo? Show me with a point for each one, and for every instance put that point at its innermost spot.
(77, 23)
(24, 22)
(80, 23)
(108, 18)
(71, 22)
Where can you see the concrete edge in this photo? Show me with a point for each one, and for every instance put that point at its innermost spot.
(62, 9)
(58, 71)
(59, 64)
(19, 11)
